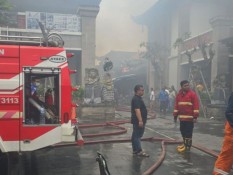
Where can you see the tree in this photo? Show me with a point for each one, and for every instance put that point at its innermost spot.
(5, 6)
(156, 54)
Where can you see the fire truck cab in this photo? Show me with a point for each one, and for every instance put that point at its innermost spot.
(36, 107)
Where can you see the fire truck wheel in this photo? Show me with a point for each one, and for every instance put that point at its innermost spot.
(28, 163)
(3, 163)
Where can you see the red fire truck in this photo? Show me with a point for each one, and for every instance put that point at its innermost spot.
(36, 107)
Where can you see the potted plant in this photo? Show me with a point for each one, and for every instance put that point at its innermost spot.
(78, 95)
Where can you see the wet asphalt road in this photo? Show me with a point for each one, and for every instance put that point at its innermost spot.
(77, 160)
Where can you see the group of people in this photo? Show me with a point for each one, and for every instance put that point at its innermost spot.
(165, 98)
(186, 109)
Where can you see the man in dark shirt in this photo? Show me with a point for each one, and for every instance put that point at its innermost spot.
(138, 119)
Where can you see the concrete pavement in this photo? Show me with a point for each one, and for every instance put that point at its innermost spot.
(76, 160)
(121, 161)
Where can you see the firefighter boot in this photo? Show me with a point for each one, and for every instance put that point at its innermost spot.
(186, 146)
(182, 149)
(189, 144)
(180, 146)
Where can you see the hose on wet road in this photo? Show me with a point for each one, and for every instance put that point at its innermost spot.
(122, 129)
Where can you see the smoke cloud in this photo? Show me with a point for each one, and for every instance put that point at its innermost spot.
(115, 29)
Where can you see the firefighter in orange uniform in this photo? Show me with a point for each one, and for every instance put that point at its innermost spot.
(224, 162)
(187, 110)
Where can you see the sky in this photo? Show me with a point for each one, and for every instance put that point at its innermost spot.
(115, 29)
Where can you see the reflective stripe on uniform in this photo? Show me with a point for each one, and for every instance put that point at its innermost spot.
(175, 110)
(220, 171)
(185, 103)
(185, 116)
(197, 111)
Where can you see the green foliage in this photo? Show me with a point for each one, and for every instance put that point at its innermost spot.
(5, 6)
(155, 53)
(178, 42)
(79, 94)
(152, 50)
(181, 39)
(203, 95)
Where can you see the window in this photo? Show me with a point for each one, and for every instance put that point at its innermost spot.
(41, 96)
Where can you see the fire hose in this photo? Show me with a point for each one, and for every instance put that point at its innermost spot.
(122, 129)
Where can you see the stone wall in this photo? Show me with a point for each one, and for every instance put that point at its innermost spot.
(216, 111)
(101, 112)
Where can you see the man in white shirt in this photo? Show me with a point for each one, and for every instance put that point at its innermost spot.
(152, 99)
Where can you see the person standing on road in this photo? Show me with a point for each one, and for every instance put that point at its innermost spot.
(172, 96)
(138, 119)
(224, 162)
(187, 110)
(152, 99)
(163, 100)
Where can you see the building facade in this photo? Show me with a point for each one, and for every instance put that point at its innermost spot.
(191, 29)
(74, 21)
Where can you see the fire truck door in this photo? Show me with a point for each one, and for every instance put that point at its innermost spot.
(10, 92)
(41, 99)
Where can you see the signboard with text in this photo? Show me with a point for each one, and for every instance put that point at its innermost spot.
(54, 21)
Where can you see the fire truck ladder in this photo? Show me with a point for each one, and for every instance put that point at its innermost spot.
(5, 38)
(192, 81)
(48, 39)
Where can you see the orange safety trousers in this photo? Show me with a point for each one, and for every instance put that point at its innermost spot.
(224, 162)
